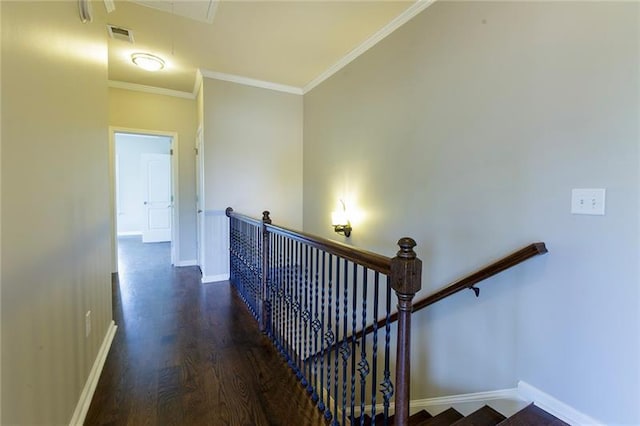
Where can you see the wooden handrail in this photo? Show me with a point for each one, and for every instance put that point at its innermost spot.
(252, 220)
(374, 261)
(467, 282)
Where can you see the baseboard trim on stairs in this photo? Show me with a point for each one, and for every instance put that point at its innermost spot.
(554, 406)
(449, 400)
(466, 397)
(94, 375)
(523, 392)
(214, 278)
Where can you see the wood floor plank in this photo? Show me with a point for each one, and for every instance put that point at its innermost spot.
(189, 354)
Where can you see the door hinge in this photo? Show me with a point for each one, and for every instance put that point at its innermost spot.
(171, 152)
(196, 151)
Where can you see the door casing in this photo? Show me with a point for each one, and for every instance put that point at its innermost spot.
(175, 228)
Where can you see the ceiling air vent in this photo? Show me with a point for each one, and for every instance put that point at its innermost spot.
(120, 33)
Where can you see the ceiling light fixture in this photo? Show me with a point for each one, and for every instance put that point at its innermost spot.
(147, 61)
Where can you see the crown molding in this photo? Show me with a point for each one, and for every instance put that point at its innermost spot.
(396, 23)
(252, 82)
(197, 83)
(150, 89)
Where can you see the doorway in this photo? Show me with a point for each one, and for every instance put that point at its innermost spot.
(143, 166)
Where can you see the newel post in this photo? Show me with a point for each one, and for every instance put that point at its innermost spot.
(264, 311)
(406, 281)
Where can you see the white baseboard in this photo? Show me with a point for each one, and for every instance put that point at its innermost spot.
(214, 278)
(94, 375)
(554, 406)
(128, 234)
(193, 262)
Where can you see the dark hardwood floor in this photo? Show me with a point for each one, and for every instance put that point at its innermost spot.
(189, 354)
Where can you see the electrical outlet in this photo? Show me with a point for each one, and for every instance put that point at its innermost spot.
(87, 324)
(588, 201)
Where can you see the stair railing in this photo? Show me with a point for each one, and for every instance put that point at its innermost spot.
(310, 294)
(468, 282)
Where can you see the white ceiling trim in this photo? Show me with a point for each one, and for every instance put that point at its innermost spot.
(396, 23)
(211, 12)
(198, 83)
(150, 89)
(252, 82)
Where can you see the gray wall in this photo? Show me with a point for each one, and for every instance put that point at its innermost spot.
(253, 150)
(55, 207)
(148, 111)
(466, 129)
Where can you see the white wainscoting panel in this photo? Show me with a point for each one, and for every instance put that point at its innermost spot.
(216, 246)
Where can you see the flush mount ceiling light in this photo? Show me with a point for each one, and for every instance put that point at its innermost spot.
(147, 61)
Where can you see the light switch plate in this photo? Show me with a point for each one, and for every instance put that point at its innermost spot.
(589, 201)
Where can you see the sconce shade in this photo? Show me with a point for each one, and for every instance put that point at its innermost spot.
(340, 221)
(339, 218)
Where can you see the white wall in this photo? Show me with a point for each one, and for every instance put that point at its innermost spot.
(466, 129)
(55, 207)
(130, 196)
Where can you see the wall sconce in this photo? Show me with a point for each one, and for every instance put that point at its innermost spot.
(340, 221)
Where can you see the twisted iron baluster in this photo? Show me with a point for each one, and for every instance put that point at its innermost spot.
(387, 386)
(336, 374)
(354, 316)
(329, 340)
(288, 312)
(306, 372)
(321, 405)
(281, 293)
(298, 311)
(308, 311)
(363, 365)
(316, 325)
(270, 284)
(374, 349)
(345, 350)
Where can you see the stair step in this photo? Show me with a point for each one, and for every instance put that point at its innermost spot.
(446, 418)
(419, 418)
(485, 416)
(415, 420)
(532, 415)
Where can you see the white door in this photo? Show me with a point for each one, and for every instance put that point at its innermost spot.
(156, 192)
(200, 217)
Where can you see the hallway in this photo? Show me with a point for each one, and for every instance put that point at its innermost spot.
(189, 354)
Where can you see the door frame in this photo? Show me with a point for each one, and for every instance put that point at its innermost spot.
(200, 198)
(175, 227)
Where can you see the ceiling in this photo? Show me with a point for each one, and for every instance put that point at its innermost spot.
(289, 43)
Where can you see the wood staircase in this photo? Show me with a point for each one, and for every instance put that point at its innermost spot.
(485, 416)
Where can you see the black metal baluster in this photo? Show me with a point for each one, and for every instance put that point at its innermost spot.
(316, 324)
(387, 386)
(270, 293)
(345, 350)
(363, 365)
(330, 339)
(354, 316)
(288, 311)
(297, 306)
(321, 405)
(336, 375)
(306, 372)
(374, 348)
(281, 283)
